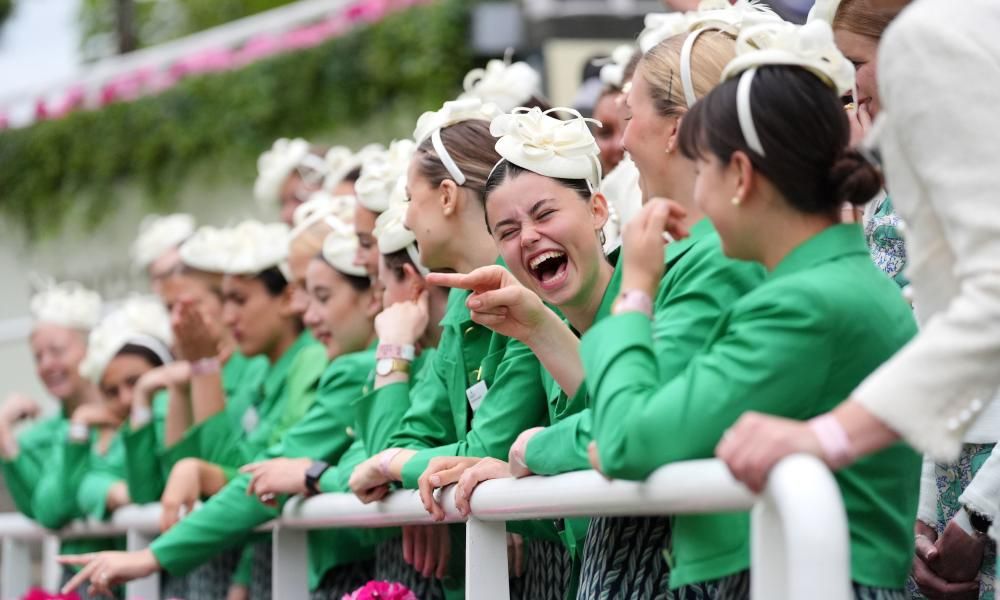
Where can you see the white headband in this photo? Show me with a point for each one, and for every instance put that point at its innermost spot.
(430, 124)
(322, 206)
(809, 46)
(140, 320)
(536, 141)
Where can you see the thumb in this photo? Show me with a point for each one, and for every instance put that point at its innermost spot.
(926, 549)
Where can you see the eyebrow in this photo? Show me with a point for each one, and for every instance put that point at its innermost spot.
(532, 211)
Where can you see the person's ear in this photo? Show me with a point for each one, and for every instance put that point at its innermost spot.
(449, 198)
(742, 171)
(675, 127)
(599, 211)
(371, 303)
(414, 282)
(287, 302)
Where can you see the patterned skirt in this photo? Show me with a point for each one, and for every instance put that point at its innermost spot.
(344, 580)
(623, 559)
(951, 480)
(260, 572)
(209, 581)
(737, 587)
(548, 571)
(390, 566)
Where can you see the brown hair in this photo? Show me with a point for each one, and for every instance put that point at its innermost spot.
(471, 145)
(661, 66)
(857, 16)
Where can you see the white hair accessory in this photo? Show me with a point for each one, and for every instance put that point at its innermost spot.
(340, 161)
(340, 249)
(613, 67)
(207, 249)
(506, 84)
(380, 173)
(661, 26)
(824, 10)
(430, 124)
(139, 320)
(809, 46)
(255, 247)
(393, 236)
(66, 304)
(621, 189)
(159, 234)
(274, 166)
(335, 210)
(536, 141)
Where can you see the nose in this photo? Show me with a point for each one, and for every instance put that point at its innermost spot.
(529, 236)
(310, 315)
(299, 301)
(125, 395)
(360, 257)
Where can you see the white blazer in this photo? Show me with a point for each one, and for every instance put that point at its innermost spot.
(939, 78)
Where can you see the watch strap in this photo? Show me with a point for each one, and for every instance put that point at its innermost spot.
(406, 352)
(313, 474)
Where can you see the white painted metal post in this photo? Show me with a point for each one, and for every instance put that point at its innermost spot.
(147, 588)
(486, 560)
(15, 569)
(51, 569)
(800, 544)
(290, 564)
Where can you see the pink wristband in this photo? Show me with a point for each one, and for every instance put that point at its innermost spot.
(833, 440)
(386, 460)
(206, 366)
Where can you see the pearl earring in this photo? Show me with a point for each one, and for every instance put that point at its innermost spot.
(735, 200)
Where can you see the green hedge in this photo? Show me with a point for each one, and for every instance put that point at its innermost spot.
(72, 165)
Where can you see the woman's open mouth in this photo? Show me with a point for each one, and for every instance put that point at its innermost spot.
(549, 269)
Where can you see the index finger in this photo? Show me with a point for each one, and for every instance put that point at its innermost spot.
(481, 279)
(76, 559)
(78, 579)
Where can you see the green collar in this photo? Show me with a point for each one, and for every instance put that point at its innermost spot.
(833, 242)
(457, 313)
(700, 230)
(278, 372)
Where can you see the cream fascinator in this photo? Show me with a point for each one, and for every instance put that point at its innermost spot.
(340, 161)
(430, 124)
(322, 206)
(505, 84)
(340, 248)
(393, 236)
(253, 247)
(159, 234)
(824, 10)
(537, 141)
(140, 320)
(613, 68)
(621, 188)
(379, 175)
(66, 304)
(206, 249)
(285, 157)
(808, 46)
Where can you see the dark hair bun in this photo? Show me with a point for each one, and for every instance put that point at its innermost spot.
(853, 179)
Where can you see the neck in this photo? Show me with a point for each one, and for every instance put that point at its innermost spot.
(87, 393)
(473, 251)
(581, 314)
(279, 348)
(678, 185)
(787, 234)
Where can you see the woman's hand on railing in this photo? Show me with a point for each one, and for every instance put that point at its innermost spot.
(105, 570)
(276, 476)
(427, 548)
(756, 443)
(441, 471)
(484, 470)
(182, 491)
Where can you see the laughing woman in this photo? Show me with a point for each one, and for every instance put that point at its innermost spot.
(770, 145)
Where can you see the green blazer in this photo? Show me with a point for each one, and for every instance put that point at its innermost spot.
(795, 346)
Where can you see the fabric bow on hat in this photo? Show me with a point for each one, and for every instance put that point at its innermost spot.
(207, 249)
(507, 85)
(322, 205)
(66, 304)
(809, 46)
(661, 26)
(254, 247)
(381, 172)
(340, 249)
(274, 167)
(158, 234)
(541, 143)
(613, 68)
(720, 14)
(452, 112)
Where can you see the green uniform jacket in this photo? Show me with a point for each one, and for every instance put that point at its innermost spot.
(699, 283)
(39, 446)
(229, 517)
(796, 346)
(149, 461)
(440, 421)
(254, 422)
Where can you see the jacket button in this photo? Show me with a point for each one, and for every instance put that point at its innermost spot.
(965, 415)
(953, 424)
(976, 405)
(908, 293)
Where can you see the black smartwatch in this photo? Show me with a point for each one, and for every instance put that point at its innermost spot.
(979, 522)
(313, 473)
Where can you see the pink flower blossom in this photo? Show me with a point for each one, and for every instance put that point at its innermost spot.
(381, 590)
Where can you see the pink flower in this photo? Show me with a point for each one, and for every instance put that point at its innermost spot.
(40, 594)
(381, 590)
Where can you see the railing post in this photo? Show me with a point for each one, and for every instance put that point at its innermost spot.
(800, 544)
(147, 588)
(15, 569)
(290, 563)
(51, 569)
(486, 560)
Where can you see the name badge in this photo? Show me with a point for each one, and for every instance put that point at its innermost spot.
(475, 394)
(250, 420)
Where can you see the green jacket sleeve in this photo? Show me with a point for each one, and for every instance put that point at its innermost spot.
(224, 521)
(642, 424)
(300, 393)
(92, 495)
(335, 479)
(143, 465)
(428, 421)
(380, 415)
(21, 476)
(54, 502)
(515, 402)
(561, 447)
(39, 448)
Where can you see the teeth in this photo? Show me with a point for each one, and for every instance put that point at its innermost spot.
(544, 257)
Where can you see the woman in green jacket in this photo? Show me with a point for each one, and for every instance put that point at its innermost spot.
(773, 169)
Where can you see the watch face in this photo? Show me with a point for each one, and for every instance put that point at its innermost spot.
(383, 367)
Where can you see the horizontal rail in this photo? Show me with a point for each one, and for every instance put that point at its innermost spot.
(798, 529)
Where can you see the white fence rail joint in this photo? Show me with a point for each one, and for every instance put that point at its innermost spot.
(799, 536)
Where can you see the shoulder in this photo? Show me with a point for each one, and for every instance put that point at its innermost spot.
(704, 263)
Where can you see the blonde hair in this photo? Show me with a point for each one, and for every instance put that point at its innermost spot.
(310, 240)
(858, 16)
(661, 67)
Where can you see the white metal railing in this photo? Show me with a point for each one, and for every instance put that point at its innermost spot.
(799, 539)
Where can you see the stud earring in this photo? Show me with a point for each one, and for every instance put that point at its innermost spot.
(735, 200)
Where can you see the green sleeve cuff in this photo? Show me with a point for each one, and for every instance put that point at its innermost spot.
(336, 478)
(419, 462)
(21, 476)
(143, 468)
(92, 496)
(230, 473)
(561, 447)
(220, 442)
(189, 446)
(380, 413)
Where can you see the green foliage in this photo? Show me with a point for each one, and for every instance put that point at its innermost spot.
(6, 6)
(71, 165)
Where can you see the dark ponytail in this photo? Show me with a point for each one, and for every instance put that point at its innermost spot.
(804, 132)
